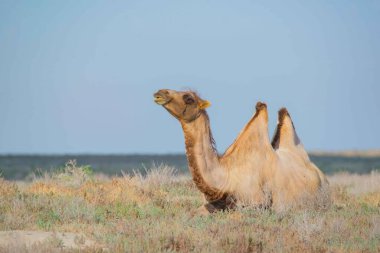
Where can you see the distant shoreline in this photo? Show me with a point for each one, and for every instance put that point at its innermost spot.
(20, 166)
(342, 153)
(347, 153)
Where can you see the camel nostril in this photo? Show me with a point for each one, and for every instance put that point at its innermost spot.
(161, 94)
(158, 94)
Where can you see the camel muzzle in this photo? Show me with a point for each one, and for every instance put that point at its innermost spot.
(161, 98)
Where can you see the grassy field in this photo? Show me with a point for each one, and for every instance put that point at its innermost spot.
(152, 213)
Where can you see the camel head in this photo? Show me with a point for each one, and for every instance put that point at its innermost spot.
(184, 105)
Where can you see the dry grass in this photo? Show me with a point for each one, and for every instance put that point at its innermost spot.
(151, 213)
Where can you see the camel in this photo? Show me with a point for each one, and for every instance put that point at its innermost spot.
(253, 171)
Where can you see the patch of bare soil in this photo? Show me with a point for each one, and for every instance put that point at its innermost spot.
(17, 239)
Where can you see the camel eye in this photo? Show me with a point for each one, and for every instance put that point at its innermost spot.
(188, 99)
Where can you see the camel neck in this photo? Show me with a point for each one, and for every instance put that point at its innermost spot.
(202, 157)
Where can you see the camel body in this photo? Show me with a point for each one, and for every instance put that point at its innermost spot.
(253, 171)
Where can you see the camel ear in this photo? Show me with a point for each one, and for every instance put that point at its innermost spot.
(203, 104)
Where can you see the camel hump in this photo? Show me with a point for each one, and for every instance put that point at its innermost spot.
(285, 134)
(282, 113)
(260, 106)
(261, 112)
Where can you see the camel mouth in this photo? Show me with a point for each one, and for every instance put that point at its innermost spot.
(160, 99)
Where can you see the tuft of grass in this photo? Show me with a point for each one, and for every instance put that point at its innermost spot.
(152, 213)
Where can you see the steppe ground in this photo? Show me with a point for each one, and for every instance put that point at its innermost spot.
(73, 210)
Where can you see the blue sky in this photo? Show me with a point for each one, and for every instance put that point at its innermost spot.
(78, 76)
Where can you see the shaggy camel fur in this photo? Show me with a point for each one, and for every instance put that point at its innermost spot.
(253, 171)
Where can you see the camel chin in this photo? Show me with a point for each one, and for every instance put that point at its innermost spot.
(253, 171)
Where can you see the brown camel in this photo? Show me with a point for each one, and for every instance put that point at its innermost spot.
(253, 171)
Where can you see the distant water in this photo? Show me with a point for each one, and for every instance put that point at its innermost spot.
(17, 167)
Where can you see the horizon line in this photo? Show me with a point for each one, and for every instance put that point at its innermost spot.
(317, 152)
